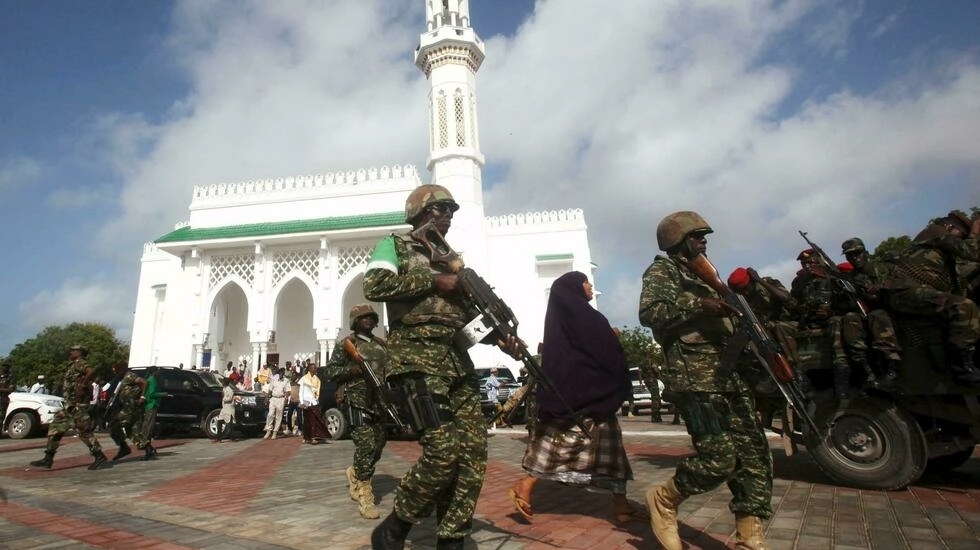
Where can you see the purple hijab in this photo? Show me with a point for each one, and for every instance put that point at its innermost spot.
(582, 356)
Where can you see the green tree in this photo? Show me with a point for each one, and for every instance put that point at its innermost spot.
(890, 247)
(47, 352)
(640, 347)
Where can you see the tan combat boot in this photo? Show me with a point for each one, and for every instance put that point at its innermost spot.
(749, 533)
(352, 483)
(365, 501)
(663, 502)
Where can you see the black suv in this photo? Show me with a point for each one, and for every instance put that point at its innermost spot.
(194, 401)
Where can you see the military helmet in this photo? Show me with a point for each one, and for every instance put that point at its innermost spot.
(853, 244)
(957, 217)
(672, 230)
(424, 196)
(361, 310)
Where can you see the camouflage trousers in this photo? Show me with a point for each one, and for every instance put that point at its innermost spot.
(731, 448)
(448, 476)
(369, 440)
(855, 333)
(73, 416)
(961, 315)
(655, 401)
(127, 422)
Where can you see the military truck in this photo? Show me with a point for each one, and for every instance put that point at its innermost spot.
(883, 438)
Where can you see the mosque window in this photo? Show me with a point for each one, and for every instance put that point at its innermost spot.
(472, 127)
(223, 267)
(460, 119)
(352, 257)
(443, 120)
(290, 261)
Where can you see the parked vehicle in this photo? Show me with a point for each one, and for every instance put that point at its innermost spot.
(337, 417)
(885, 438)
(30, 413)
(507, 387)
(193, 402)
(642, 398)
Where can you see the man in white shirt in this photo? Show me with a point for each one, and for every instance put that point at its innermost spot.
(38, 386)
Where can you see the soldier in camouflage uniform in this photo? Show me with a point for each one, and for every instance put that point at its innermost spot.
(649, 374)
(925, 282)
(126, 410)
(692, 324)
(868, 276)
(77, 394)
(823, 305)
(426, 309)
(367, 415)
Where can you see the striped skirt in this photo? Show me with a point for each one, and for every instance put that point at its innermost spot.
(557, 450)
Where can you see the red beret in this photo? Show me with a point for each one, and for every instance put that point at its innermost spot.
(845, 267)
(739, 278)
(809, 252)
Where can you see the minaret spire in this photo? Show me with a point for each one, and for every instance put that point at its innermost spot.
(449, 55)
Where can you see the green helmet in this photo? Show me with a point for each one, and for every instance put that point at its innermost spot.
(424, 196)
(673, 228)
(853, 244)
(361, 310)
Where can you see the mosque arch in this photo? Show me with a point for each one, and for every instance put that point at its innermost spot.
(228, 310)
(294, 337)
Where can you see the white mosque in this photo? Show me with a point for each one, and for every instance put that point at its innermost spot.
(265, 271)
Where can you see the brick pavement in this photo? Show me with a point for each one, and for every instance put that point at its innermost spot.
(281, 494)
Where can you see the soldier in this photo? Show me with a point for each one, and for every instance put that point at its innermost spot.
(366, 413)
(74, 413)
(126, 410)
(925, 282)
(649, 374)
(823, 306)
(426, 309)
(692, 324)
(868, 276)
(278, 390)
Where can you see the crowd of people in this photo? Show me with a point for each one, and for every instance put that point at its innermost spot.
(422, 376)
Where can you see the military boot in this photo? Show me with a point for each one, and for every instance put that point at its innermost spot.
(449, 544)
(149, 453)
(842, 381)
(963, 368)
(391, 533)
(123, 451)
(101, 461)
(663, 502)
(749, 533)
(352, 482)
(870, 380)
(45, 462)
(365, 501)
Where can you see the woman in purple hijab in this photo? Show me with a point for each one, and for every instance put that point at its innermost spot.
(584, 361)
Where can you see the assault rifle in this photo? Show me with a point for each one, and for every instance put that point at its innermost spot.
(752, 333)
(835, 273)
(375, 383)
(510, 406)
(496, 318)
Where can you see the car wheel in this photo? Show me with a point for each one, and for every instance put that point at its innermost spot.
(22, 425)
(210, 424)
(336, 423)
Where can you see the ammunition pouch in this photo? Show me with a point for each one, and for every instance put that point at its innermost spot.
(358, 417)
(421, 408)
(705, 414)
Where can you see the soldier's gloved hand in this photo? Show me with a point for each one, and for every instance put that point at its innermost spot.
(715, 307)
(445, 283)
(355, 370)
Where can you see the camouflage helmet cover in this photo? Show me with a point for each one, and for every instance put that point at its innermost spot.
(362, 310)
(424, 196)
(959, 218)
(853, 244)
(673, 228)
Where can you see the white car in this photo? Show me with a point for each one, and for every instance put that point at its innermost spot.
(30, 413)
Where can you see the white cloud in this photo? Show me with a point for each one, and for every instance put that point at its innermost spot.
(80, 301)
(17, 171)
(631, 113)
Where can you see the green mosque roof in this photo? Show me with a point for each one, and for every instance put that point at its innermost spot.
(189, 233)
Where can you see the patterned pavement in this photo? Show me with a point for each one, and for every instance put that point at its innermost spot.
(281, 494)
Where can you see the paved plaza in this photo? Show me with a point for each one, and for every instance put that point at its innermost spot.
(282, 494)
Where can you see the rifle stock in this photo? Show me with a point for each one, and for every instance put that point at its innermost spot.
(372, 380)
(496, 314)
(763, 345)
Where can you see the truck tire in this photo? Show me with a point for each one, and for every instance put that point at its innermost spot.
(336, 422)
(22, 424)
(210, 424)
(945, 463)
(868, 443)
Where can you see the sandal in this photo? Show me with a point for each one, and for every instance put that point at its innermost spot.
(522, 505)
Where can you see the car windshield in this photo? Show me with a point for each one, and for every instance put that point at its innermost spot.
(211, 379)
(503, 380)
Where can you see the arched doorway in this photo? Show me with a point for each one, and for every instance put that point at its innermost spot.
(228, 327)
(295, 338)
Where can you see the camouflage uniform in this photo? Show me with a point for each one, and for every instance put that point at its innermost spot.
(715, 402)
(449, 475)
(369, 437)
(75, 411)
(6, 386)
(925, 281)
(127, 412)
(648, 373)
(868, 279)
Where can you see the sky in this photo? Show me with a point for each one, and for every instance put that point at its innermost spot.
(841, 118)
